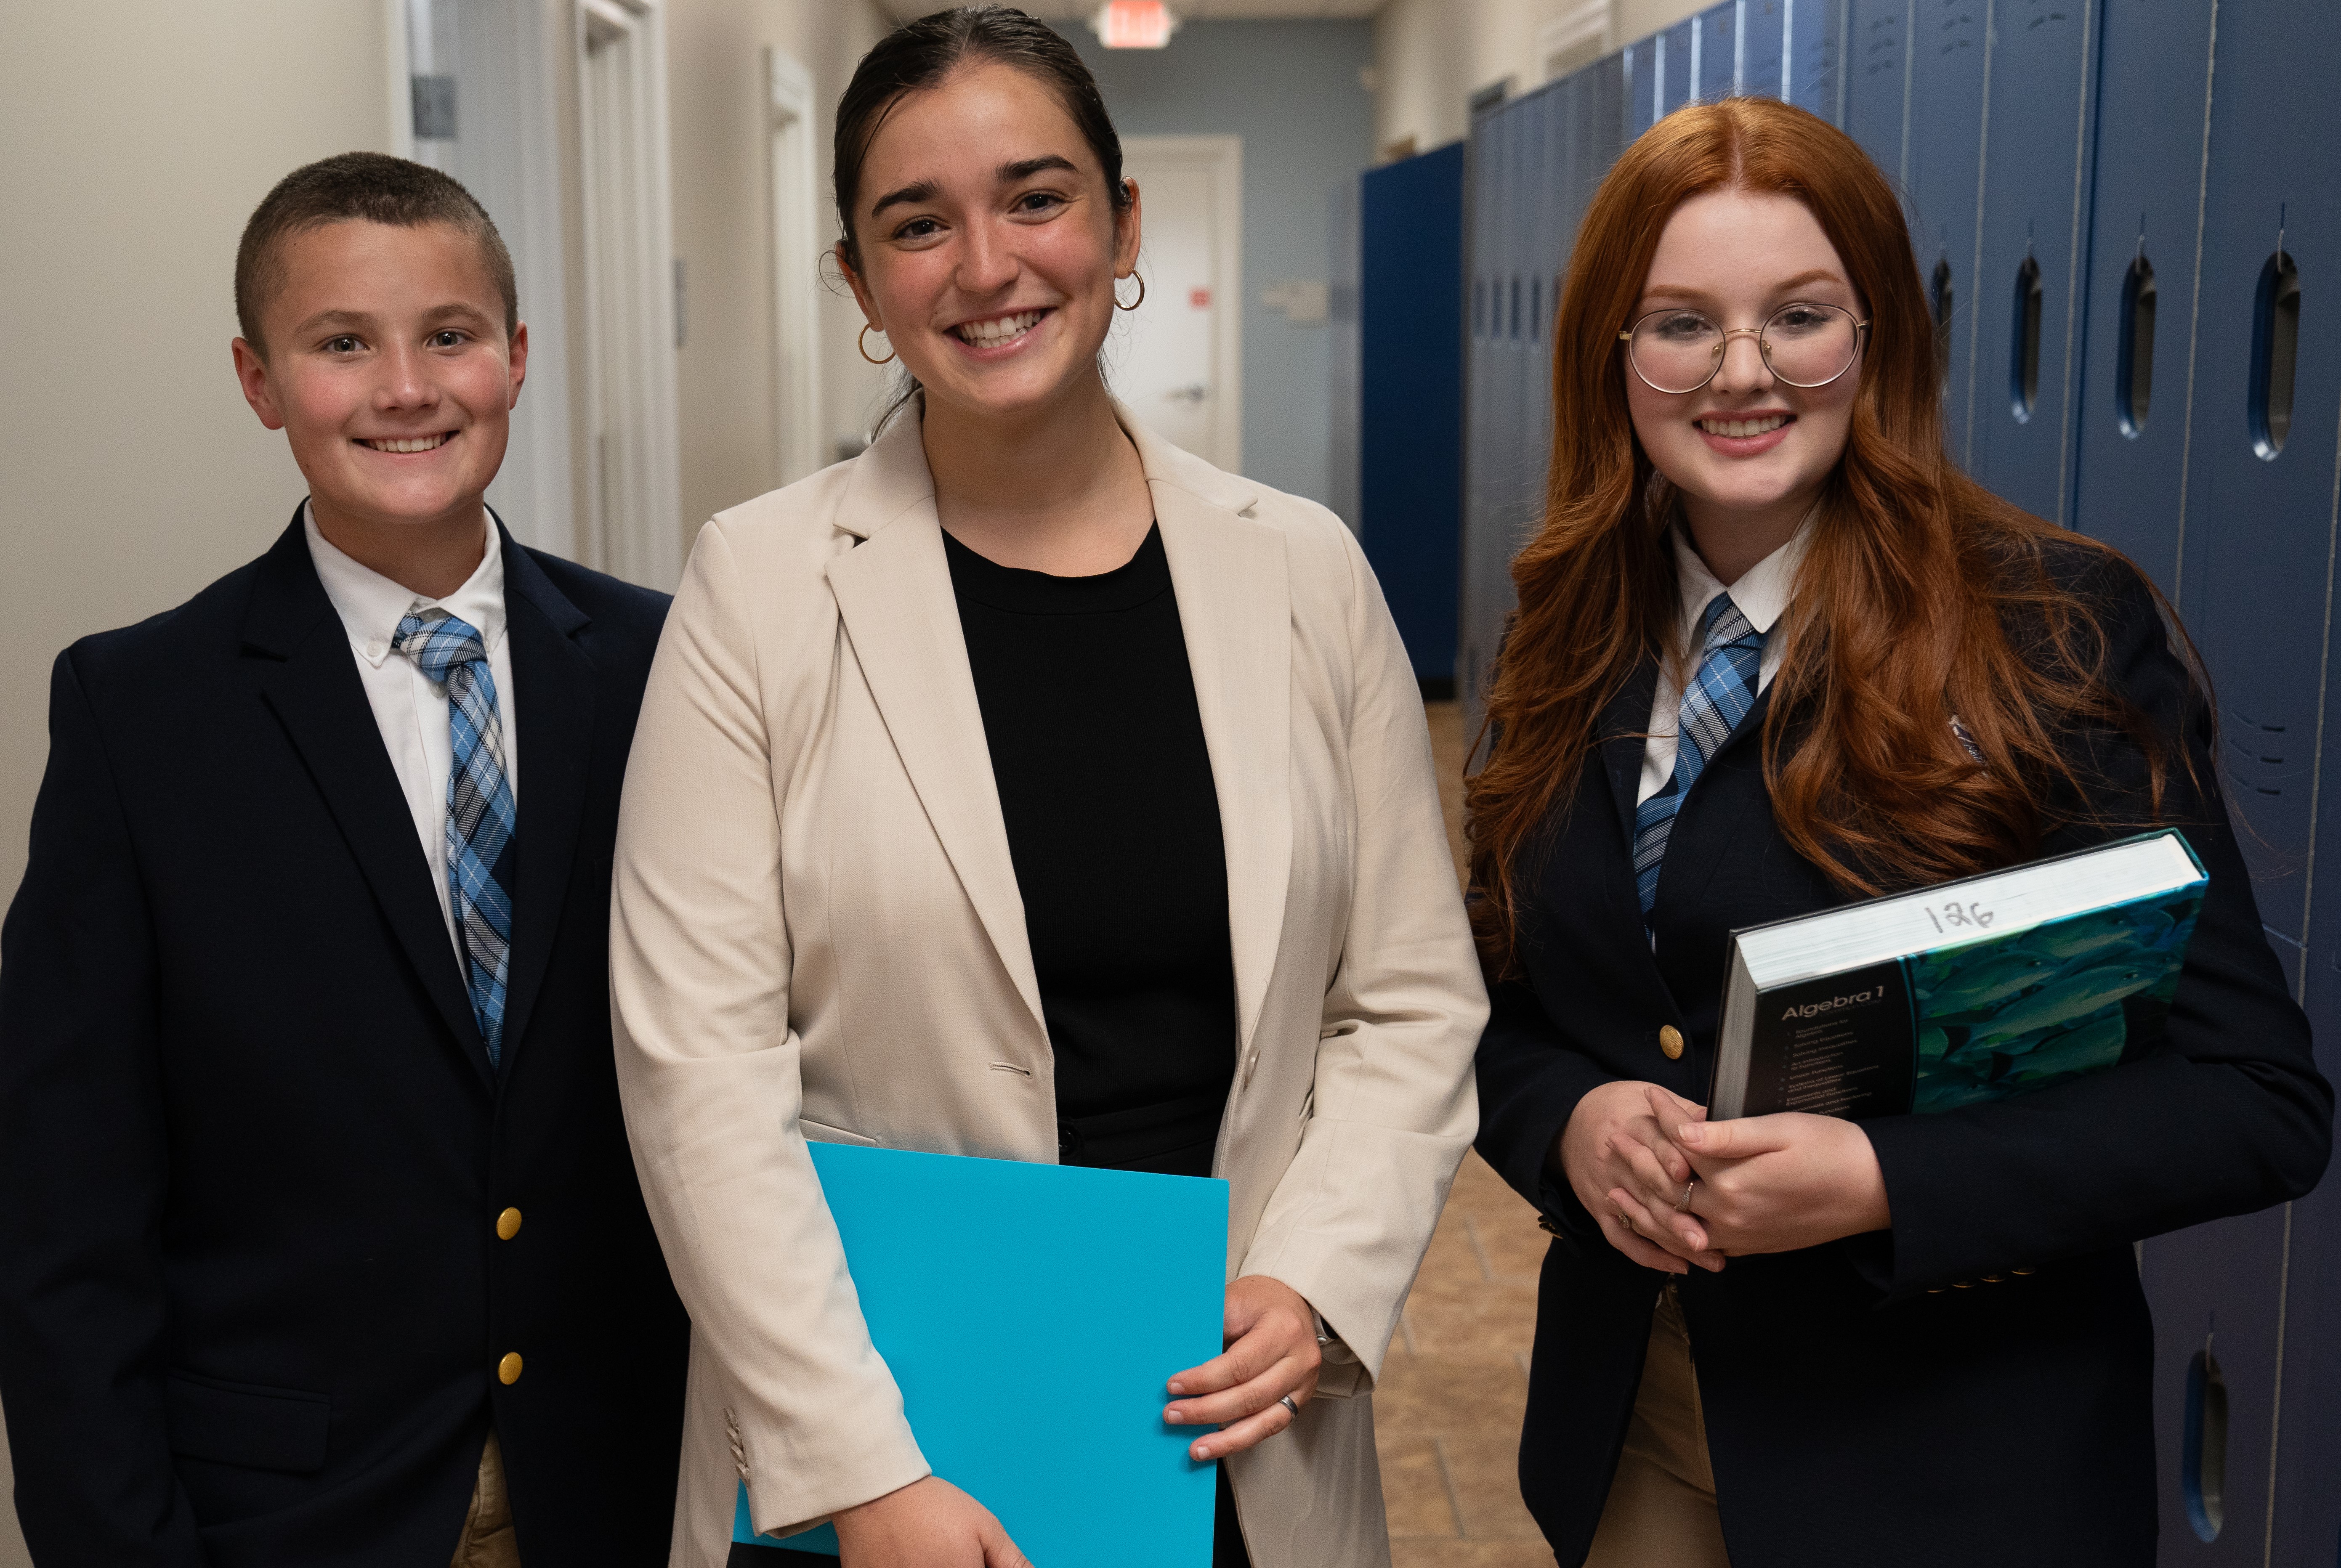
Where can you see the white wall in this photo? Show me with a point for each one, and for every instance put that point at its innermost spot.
(131, 471)
(1432, 56)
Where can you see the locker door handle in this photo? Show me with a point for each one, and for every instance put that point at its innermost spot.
(2134, 347)
(1943, 297)
(2203, 1459)
(2024, 348)
(2275, 349)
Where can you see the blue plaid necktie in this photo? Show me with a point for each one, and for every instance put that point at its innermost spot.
(1720, 694)
(481, 813)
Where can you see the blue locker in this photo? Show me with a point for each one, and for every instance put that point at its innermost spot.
(1812, 35)
(2257, 591)
(1643, 88)
(1482, 165)
(2129, 422)
(1410, 417)
(1715, 50)
(2034, 196)
(1760, 23)
(2259, 512)
(1676, 47)
(1603, 105)
(1546, 128)
(1525, 468)
(1877, 74)
(1523, 453)
(1946, 119)
(2259, 551)
(1492, 419)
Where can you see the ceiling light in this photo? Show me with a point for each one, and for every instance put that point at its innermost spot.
(1134, 23)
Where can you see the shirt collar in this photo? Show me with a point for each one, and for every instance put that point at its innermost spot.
(371, 605)
(1761, 593)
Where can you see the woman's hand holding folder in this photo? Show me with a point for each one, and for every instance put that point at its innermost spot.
(1273, 1353)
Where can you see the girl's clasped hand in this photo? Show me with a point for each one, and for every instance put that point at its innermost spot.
(1675, 1190)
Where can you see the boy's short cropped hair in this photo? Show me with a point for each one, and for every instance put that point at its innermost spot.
(375, 188)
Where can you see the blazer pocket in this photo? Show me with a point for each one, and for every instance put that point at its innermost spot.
(245, 1424)
(823, 1132)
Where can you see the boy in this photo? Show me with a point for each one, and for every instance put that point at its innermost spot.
(320, 1243)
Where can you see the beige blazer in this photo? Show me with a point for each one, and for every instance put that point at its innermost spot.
(817, 935)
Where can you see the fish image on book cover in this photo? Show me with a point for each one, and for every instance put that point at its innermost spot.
(2007, 1015)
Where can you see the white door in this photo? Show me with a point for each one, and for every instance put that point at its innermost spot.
(1178, 358)
(633, 488)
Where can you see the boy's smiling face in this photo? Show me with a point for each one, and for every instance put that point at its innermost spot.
(389, 372)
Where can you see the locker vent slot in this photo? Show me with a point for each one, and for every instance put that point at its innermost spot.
(1479, 307)
(2134, 349)
(2024, 349)
(1939, 292)
(2276, 346)
(2203, 1460)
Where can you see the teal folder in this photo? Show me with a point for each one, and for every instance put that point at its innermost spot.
(1032, 1314)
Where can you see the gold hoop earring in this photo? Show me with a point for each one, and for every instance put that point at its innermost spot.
(1136, 302)
(862, 342)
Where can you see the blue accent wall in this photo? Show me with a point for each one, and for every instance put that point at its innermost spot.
(1410, 419)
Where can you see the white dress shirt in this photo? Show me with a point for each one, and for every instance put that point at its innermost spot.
(409, 707)
(1762, 595)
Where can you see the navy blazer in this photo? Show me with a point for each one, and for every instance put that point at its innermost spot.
(1906, 1396)
(252, 1155)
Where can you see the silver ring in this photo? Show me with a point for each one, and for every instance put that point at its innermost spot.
(1286, 1400)
(1684, 1206)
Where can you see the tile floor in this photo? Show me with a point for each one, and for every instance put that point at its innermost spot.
(1448, 1409)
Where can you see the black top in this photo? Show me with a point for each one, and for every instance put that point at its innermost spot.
(248, 1265)
(1105, 784)
(1997, 1328)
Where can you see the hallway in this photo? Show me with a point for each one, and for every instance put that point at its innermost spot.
(1448, 1409)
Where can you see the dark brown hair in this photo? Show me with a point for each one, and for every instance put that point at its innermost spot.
(1916, 588)
(920, 54)
(370, 187)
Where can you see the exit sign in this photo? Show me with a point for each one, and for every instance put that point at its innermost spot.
(1134, 23)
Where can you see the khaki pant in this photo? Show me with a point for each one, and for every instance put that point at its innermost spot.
(1661, 1508)
(487, 1540)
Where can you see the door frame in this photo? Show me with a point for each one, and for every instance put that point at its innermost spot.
(632, 526)
(1223, 158)
(797, 446)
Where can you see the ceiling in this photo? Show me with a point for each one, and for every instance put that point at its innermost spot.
(1185, 10)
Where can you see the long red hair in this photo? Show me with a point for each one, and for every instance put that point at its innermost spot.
(1905, 598)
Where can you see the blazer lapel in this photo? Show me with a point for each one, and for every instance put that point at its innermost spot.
(893, 592)
(310, 681)
(555, 683)
(1623, 734)
(1235, 609)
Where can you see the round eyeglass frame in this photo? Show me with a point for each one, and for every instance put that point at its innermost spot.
(1763, 346)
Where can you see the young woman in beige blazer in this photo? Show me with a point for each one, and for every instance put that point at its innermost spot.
(820, 929)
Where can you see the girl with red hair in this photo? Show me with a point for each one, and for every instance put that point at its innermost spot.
(1775, 652)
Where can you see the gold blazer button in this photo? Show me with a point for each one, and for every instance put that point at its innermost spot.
(508, 1369)
(1670, 1041)
(508, 1224)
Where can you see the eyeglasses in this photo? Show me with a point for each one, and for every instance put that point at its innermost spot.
(1804, 344)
